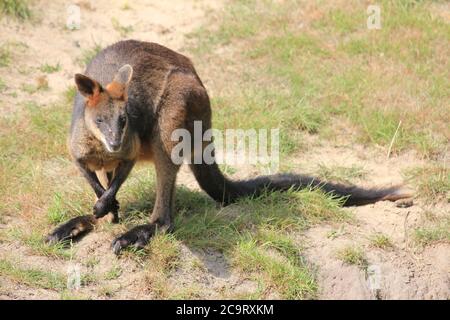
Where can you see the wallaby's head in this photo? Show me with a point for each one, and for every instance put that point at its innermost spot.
(105, 112)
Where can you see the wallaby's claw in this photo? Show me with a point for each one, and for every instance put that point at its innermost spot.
(138, 237)
(71, 229)
(103, 206)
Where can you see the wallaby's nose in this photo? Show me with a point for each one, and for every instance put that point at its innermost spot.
(114, 145)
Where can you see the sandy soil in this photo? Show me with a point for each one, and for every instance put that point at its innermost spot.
(405, 271)
(48, 40)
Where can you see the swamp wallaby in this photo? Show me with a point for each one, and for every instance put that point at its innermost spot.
(131, 98)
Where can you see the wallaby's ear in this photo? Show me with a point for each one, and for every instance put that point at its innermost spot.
(123, 76)
(118, 87)
(89, 88)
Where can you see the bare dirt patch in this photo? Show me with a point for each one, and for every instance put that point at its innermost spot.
(46, 39)
(405, 270)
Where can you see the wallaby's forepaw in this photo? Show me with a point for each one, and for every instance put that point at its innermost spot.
(71, 229)
(138, 237)
(103, 206)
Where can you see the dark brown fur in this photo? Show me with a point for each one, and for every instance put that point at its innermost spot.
(164, 93)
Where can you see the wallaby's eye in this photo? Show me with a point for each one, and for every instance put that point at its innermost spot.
(122, 120)
(99, 120)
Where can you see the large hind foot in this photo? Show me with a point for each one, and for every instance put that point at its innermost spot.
(72, 229)
(138, 237)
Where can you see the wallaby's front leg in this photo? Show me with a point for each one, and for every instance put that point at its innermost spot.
(91, 178)
(81, 225)
(105, 178)
(107, 201)
(161, 219)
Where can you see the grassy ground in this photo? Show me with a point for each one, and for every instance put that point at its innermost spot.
(15, 8)
(323, 78)
(310, 74)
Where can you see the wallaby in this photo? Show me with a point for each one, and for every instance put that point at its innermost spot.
(131, 98)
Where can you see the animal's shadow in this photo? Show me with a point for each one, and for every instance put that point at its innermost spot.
(189, 205)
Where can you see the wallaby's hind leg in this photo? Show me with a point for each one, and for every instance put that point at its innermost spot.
(105, 178)
(166, 175)
(185, 96)
(161, 218)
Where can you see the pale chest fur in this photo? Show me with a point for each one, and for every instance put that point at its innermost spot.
(85, 147)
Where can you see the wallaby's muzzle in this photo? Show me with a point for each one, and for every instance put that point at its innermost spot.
(114, 145)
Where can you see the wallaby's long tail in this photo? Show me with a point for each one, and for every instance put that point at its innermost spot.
(226, 191)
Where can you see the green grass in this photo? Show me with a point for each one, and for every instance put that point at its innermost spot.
(291, 278)
(432, 181)
(107, 291)
(341, 22)
(57, 212)
(72, 295)
(341, 174)
(292, 210)
(45, 125)
(3, 85)
(271, 217)
(192, 292)
(48, 68)
(381, 241)
(31, 276)
(352, 255)
(165, 250)
(35, 241)
(437, 232)
(336, 233)
(88, 54)
(65, 205)
(31, 88)
(122, 30)
(8, 50)
(113, 273)
(308, 79)
(15, 8)
(32, 164)
(5, 55)
(88, 279)
(265, 221)
(69, 94)
(164, 253)
(92, 262)
(126, 6)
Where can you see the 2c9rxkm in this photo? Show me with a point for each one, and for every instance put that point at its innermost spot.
(246, 309)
